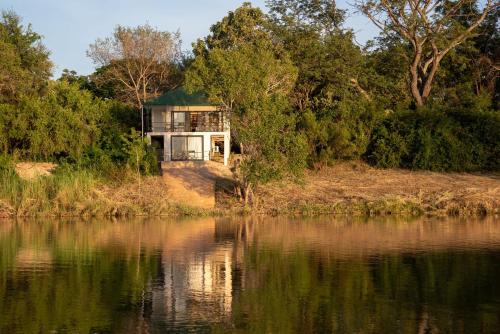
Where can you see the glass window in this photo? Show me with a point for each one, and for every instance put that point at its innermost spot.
(179, 121)
(187, 148)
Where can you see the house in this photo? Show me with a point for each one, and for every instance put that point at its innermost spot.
(187, 127)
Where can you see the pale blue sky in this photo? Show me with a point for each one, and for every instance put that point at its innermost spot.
(69, 26)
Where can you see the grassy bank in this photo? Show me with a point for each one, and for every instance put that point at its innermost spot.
(354, 188)
(347, 188)
(85, 193)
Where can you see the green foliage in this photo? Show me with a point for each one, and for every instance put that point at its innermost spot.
(62, 122)
(335, 108)
(242, 68)
(461, 140)
(341, 132)
(118, 150)
(245, 25)
(25, 63)
(271, 147)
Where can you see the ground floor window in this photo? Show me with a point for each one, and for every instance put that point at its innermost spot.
(187, 148)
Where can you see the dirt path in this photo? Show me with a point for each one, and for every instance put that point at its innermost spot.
(193, 183)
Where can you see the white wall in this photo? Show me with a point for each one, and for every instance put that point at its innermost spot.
(163, 114)
(206, 143)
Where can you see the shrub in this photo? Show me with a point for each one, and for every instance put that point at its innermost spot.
(116, 150)
(340, 131)
(437, 139)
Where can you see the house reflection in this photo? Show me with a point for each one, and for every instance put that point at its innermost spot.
(198, 284)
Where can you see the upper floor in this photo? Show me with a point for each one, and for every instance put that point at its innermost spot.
(178, 111)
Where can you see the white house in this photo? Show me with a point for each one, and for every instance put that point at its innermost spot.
(186, 127)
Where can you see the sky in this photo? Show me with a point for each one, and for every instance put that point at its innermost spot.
(68, 27)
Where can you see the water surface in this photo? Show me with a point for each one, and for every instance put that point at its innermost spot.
(250, 276)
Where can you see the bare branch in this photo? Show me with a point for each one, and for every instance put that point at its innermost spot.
(140, 59)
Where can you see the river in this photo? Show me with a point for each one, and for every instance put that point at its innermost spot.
(250, 275)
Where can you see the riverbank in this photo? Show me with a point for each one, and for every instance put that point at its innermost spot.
(351, 188)
(38, 191)
(355, 188)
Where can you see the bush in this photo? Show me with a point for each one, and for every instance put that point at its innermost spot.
(339, 132)
(438, 140)
(115, 151)
(61, 122)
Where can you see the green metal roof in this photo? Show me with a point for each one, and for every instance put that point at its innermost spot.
(180, 97)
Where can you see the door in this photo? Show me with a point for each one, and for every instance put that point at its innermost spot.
(157, 142)
(217, 149)
(187, 148)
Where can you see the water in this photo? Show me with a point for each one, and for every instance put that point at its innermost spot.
(250, 276)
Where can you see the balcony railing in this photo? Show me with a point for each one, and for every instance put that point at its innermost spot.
(183, 127)
(188, 121)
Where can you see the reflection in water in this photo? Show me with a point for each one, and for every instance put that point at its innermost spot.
(250, 275)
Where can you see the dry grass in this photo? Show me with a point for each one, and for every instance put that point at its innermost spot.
(355, 187)
(82, 194)
(347, 188)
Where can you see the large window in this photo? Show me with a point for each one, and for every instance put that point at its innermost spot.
(187, 148)
(179, 121)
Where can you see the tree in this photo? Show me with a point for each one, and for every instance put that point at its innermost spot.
(141, 61)
(324, 52)
(62, 122)
(241, 68)
(427, 25)
(25, 66)
(334, 91)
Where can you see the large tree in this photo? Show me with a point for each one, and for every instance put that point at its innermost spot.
(324, 52)
(429, 27)
(24, 61)
(141, 62)
(64, 121)
(240, 67)
(334, 91)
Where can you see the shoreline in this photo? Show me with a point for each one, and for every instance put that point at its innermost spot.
(382, 208)
(348, 188)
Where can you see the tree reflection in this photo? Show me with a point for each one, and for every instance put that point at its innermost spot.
(269, 276)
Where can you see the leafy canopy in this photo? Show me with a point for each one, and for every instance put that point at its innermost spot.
(241, 67)
(25, 66)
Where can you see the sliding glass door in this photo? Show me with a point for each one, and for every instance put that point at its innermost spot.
(187, 148)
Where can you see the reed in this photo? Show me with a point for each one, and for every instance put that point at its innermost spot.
(63, 192)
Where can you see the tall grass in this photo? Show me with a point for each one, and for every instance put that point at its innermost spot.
(74, 191)
(65, 192)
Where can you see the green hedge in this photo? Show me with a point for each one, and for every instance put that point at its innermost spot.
(438, 140)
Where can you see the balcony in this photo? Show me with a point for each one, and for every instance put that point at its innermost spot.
(210, 121)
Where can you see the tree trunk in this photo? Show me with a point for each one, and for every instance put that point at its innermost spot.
(415, 90)
(247, 194)
(426, 91)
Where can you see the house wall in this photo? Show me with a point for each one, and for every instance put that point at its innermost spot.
(162, 114)
(206, 143)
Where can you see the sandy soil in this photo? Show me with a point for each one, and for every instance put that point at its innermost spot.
(193, 183)
(32, 170)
